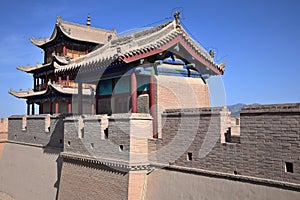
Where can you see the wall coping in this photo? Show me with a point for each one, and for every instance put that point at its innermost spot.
(271, 108)
(130, 116)
(41, 116)
(194, 111)
(247, 179)
(120, 164)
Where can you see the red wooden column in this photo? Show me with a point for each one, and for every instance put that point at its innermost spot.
(56, 107)
(93, 108)
(51, 105)
(32, 108)
(79, 98)
(28, 108)
(67, 81)
(69, 107)
(133, 93)
(64, 50)
(152, 105)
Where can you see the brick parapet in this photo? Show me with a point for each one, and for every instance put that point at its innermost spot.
(43, 130)
(120, 138)
(271, 108)
(269, 139)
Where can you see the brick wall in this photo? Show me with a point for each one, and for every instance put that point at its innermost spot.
(118, 138)
(84, 180)
(3, 125)
(44, 130)
(105, 157)
(179, 92)
(269, 139)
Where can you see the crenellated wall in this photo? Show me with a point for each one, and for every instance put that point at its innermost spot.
(42, 130)
(118, 152)
(269, 143)
(105, 157)
(118, 138)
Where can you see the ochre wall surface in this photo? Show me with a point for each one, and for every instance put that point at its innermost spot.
(164, 184)
(28, 172)
(3, 133)
(178, 92)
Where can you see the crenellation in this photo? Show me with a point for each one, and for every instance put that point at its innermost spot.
(267, 141)
(34, 132)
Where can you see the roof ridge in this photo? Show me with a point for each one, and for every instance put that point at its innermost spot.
(89, 57)
(194, 42)
(83, 26)
(140, 33)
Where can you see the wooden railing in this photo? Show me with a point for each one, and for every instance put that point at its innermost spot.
(64, 83)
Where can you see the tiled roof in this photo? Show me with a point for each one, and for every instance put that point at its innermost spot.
(77, 32)
(137, 45)
(29, 69)
(55, 62)
(51, 86)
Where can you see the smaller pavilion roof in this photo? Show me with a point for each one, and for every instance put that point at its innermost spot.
(30, 69)
(77, 32)
(57, 62)
(51, 86)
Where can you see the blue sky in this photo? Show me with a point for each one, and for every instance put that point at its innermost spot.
(259, 40)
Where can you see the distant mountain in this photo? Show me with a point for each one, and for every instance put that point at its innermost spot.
(235, 109)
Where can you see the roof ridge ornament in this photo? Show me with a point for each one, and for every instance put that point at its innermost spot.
(88, 21)
(177, 18)
(58, 20)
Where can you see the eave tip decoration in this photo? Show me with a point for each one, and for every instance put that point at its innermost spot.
(58, 19)
(177, 17)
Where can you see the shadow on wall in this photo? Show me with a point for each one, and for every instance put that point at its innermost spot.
(55, 146)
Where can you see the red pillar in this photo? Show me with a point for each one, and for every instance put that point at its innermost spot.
(51, 105)
(64, 50)
(133, 93)
(67, 82)
(32, 108)
(69, 107)
(56, 107)
(152, 105)
(79, 98)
